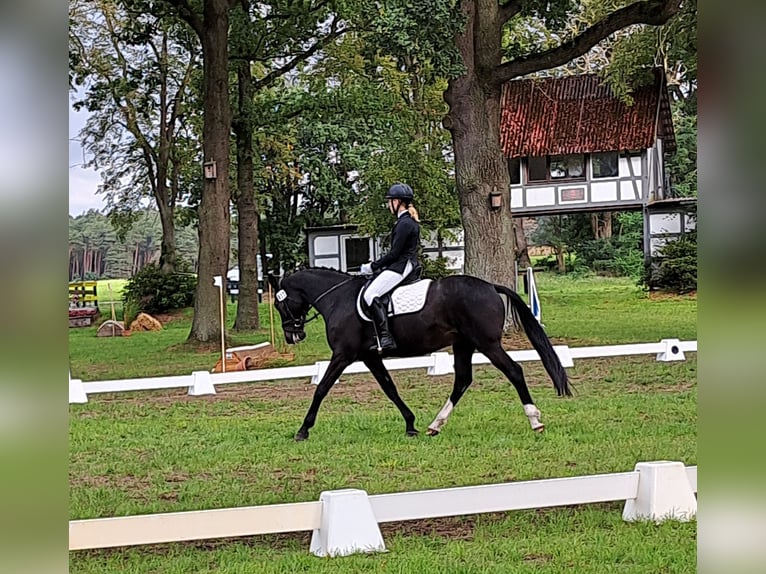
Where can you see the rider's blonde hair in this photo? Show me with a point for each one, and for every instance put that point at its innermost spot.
(413, 212)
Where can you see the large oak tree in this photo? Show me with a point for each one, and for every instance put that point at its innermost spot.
(474, 105)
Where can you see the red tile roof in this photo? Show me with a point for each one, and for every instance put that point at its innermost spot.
(579, 114)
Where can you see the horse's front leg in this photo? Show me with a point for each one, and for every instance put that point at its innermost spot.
(381, 374)
(463, 352)
(338, 362)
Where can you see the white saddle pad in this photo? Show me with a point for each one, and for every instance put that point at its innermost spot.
(407, 299)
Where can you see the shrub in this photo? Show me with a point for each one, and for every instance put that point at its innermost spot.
(435, 268)
(677, 269)
(154, 292)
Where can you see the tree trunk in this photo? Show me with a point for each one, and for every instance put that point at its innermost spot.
(560, 263)
(480, 165)
(247, 305)
(168, 243)
(214, 220)
(522, 252)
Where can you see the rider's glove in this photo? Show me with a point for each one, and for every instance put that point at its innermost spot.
(366, 269)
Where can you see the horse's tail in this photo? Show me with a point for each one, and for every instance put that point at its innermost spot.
(539, 340)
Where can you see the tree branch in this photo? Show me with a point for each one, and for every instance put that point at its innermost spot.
(652, 12)
(508, 10)
(300, 57)
(186, 13)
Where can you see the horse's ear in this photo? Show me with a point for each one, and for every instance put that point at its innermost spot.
(274, 282)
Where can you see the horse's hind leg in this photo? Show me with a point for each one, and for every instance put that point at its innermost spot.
(515, 374)
(463, 353)
(381, 374)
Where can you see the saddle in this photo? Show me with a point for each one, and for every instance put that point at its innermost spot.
(407, 297)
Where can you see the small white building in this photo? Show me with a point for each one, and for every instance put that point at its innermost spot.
(341, 247)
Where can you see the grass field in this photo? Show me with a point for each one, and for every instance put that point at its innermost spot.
(163, 451)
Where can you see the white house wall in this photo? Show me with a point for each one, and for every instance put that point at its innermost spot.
(628, 189)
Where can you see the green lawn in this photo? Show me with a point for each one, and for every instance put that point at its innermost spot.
(163, 451)
(590, 311)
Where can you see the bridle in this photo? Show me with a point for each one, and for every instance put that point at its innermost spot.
(298, 323)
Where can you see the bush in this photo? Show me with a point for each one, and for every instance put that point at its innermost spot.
(677, 268)
(435, 268)
(154, 292)
(620, 256)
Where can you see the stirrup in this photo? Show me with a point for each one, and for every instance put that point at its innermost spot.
(380, 347)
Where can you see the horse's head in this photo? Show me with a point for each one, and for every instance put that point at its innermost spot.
(293, 307)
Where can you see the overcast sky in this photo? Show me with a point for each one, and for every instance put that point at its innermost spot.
(82, 182)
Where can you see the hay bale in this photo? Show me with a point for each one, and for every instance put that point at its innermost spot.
(145, 322)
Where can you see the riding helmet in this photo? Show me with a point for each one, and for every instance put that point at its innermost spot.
(400, 191)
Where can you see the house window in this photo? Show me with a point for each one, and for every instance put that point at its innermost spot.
(514, 169)
(357, 251)
(567, 166)
(537, 169)
(557, 167)
(605, 164)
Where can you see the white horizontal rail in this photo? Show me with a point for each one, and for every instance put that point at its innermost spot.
(504, 497)
(301, 516)
(261, 375)
(143, 384)
(436, 363)
(193, 525)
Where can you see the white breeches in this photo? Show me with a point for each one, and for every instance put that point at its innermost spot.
(385, 282)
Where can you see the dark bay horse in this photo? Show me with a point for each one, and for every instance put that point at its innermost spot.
(460, 310)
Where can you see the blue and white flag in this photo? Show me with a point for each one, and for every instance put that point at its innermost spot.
(534, 300)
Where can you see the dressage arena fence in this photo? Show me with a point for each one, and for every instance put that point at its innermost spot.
(441, 363)
(347, 521)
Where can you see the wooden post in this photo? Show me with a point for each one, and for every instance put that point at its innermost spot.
(111, 302)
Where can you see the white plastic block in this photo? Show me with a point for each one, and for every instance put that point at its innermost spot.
(672, 352)
(348, 525)
(202, 384)
(565, 355)
(664, 493)
(443, 364)
(321, 370)
(76, 391)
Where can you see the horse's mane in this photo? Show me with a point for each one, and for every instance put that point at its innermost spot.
(326, 271)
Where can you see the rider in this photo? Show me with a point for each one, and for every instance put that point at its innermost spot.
(397, 264)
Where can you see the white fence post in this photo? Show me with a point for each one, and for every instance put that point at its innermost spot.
(672, 352)
(76, 391)
(565, 355)
(202, 384)
(348, 525)
(443, 364)
(321, 370)
(664, 492)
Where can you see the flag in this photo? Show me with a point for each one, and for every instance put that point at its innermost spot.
(218, 281)
(534, 300)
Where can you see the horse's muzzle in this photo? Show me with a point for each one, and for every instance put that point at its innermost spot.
(294, 337)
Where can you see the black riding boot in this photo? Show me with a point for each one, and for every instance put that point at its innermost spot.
(380, 319)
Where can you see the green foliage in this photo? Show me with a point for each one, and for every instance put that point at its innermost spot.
(619, 255)
(682, 165)
(152, 291)
(677, 270)
(435, 268)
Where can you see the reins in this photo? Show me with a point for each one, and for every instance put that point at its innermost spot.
(330, 290)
